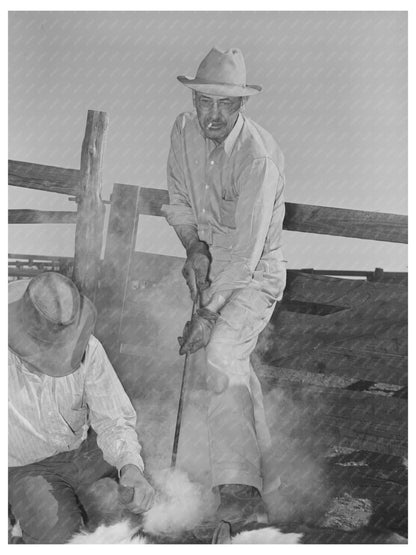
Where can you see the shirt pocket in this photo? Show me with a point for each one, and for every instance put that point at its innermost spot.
(76, 415)
(228, 208)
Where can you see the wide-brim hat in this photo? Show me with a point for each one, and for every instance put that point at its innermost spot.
(50, 323)
(221, 74)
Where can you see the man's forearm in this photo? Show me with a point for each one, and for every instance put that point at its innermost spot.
(188, 234)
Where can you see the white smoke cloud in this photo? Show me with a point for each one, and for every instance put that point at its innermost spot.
(152, 380)
(179, 505)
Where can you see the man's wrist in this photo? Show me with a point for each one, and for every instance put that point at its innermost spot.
(197, 246)
(208, 314)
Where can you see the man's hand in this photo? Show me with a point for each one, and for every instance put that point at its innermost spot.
(136, 492)
(197, 332)
(196, 268)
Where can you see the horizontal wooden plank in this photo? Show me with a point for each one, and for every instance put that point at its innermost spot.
(358, 467)
(35, 257)
(23, 272)
(44, 178)
(151, 201)
(273, 376)
(29, 265)
(335, 400)
(357, 440)
(375, 410)
(308, 307)
(309, 218)
(373, 419)
(360, 224)
(356, 366)
(24, 216)
(377, 275)
(374, 438)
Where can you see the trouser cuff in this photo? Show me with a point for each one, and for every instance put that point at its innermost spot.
(227, 476)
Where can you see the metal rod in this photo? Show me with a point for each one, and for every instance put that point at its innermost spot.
(181, 398)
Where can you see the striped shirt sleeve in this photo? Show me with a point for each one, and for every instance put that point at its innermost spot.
(111, 413)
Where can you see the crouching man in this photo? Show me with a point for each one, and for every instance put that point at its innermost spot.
(61, 383)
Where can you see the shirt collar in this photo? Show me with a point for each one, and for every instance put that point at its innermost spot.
(232, 137)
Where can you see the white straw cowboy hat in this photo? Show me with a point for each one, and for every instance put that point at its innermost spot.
(221, 74)
(50, 323)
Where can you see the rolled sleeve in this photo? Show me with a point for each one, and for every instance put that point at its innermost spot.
(111, 413)
(179, 210)
(258, 187)
(178, 214)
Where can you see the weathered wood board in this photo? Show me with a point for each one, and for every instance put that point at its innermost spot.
(44, 178)
(27, 216)
(367, 339)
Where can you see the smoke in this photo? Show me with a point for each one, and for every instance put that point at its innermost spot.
(156, 428)
(179, 505)
(295, 457)
(155, 315)
(294, 479)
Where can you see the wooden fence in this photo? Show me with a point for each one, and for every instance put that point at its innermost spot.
(106, 281)
(109, 281)
(84, 185)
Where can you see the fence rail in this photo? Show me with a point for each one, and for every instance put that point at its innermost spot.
(359, 224)
(27, 265)
(308, 218)
(24, 216)
(44, 178)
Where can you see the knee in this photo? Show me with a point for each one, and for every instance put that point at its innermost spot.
(43, 519)
(219, 360)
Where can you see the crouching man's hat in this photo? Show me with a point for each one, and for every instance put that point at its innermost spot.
(50, 323)
(221, 74)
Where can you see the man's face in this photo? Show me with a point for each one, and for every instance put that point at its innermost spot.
(217, 114)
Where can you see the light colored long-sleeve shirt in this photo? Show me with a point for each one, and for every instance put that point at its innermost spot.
(233, 195)
(50, 415)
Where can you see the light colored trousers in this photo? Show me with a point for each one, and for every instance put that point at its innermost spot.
(238, 432)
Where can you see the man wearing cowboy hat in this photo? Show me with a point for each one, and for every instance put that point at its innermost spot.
(60, 383)
(225, 181)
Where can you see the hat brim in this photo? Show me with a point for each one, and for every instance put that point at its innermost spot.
(219, 89)
(54, 359)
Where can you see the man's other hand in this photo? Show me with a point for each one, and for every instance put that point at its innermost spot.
(197, 333)
(136, 492)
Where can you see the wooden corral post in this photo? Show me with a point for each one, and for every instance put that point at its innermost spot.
(90, 220)
(120, 244)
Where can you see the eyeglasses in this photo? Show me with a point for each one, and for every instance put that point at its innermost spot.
(227, 104)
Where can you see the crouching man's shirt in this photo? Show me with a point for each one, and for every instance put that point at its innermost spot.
(233, 194)
(50, 415)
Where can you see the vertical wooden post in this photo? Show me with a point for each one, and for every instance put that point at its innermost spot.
(120, 244)
(90, 219)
